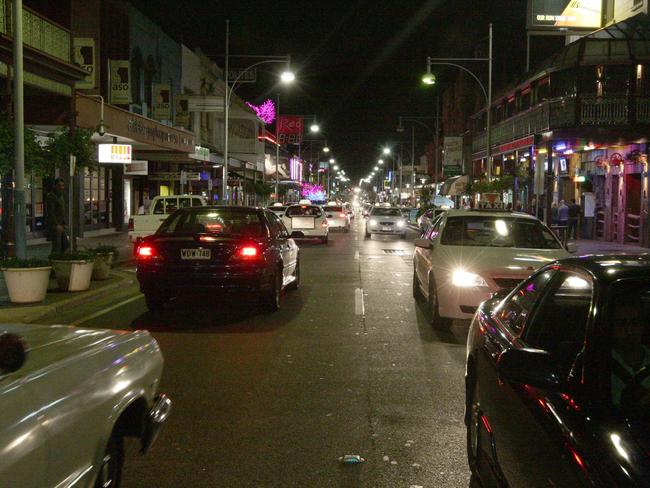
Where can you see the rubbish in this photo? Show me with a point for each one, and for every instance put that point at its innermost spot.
(351, 459)
(393, 462)
(386, 459)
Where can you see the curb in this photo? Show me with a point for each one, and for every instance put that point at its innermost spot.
(31, 314)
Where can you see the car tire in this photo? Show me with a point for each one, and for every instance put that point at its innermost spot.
(110, 471)
(472, 404)
(417, 292)
(271, 299)
(154, 302)
(295, 284)
(436, 320)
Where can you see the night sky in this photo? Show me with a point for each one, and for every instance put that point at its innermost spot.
(359, 62)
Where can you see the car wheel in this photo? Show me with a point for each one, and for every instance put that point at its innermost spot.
(271, 300)
(110, 471)
(436, 320)
(417, 292)
(296, 274)
(472, 404)
(154, 302)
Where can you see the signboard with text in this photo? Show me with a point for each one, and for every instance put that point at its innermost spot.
(114, 153)
(120, 93)
(290, 129)
(242, 75)
(453, 156)
(162, 101)
(565, 14)
(85, 58)
(136, 168)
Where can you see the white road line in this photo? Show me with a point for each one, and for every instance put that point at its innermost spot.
(356, 255)
(106, 310)
(359, 309)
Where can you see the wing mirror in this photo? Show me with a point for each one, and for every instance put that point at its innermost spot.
(532, 367)
(13, 353)
(423, 243)
(571, 247)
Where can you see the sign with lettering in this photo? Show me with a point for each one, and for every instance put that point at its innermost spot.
(120, 76)
(114, 153)
(85, 58)
(242, 75)
(563, 14)
(162, 101)
(136, 168)
(290, 129)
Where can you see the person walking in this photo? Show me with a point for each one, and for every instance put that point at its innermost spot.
(563, 219)
(56, 217)
(554, 214)
(574, 213)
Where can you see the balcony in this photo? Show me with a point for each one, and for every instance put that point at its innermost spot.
(570, 112)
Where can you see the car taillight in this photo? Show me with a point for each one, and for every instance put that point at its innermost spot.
(145, 252)
(247, 253)
(343, 215)
(131, 225)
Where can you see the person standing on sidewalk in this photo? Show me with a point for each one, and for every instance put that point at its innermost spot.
(574, 213)
(56, 215)
(554, 216)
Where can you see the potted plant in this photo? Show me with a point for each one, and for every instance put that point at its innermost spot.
(26, 279)
(104, 256)
(73, 270)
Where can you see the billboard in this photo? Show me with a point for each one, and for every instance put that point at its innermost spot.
(290, 128)
(624, 9)
(120, 92)
(85, 57)
(162, 103)
(565, 14)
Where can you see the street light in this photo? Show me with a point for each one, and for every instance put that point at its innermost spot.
(326, 149)
(315, 128)
(332, 160)
(336, 167)
(288, 76)
(418, 119)
(428, 79)
(387, 150)
(380, 162)
(376, 168)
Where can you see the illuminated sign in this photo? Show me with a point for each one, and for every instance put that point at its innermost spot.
(565, 14)
(114, 153)
(295, 168)
(579, 179)
(624, 9)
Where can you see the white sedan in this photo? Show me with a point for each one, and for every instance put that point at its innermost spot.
(306, 221)
(68, 396)
(467, 255)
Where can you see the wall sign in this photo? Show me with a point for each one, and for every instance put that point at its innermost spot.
(136, 168)
(85, 58)
(162, 101)
(114, 153)
(120, 92)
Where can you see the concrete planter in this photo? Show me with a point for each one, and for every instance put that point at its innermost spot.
(27, 285)
(102, 266)
(73, 275)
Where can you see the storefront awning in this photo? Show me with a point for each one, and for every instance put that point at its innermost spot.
(455, 185)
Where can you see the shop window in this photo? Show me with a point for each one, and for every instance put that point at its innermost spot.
(617, 80)
(564, 83)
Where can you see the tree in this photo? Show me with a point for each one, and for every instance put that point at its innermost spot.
(63, 143)
(35, 158)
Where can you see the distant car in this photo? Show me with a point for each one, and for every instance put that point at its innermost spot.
(467, 255)
(337, 217)
(307, 221)
(243, 250)
(558, 378)
(161, 206)
(68, 397)
(278, 209)
(386, 220)
(348, 209)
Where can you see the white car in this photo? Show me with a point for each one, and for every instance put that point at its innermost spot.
(386, 220)
(278, 209)
(68, 397)
(467, 255)
(337, 217)
(306, 221)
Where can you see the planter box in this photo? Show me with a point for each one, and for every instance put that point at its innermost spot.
(27, 285)
(102, 266)
(73, 275)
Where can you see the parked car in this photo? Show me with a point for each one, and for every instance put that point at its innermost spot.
(558, 378)
(385, 220)
(242, 250)
(161, 207)
(466, 255)
(278, 209)
(68, 397)
(306, 220)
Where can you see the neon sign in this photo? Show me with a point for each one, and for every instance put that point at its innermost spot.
(265, 112)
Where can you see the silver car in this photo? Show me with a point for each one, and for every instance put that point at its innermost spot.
(386, 220)
(337, 217)
(278, 209)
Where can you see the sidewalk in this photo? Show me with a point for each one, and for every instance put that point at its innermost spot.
(602, 247)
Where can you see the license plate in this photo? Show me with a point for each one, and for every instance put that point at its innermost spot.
(385, 229)
(196, 254)
(302, 223)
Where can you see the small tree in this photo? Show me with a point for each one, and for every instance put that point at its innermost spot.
(35, 160)
(63, 143)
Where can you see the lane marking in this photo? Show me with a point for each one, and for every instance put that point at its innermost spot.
(356, 255)
(359, 309)
(106, 310)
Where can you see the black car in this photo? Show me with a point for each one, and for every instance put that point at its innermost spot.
(241, 250)
(558, 378)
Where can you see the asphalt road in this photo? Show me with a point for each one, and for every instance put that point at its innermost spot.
(275, 400)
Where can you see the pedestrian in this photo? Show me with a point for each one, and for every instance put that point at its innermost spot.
(563, 214)
(554, 216)
(574, 213)
(56, 217)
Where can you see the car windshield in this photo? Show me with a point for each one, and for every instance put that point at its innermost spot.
(497, 231)
(304, 211)
(331, 208)
(629, 364)
(218, 221)
(386, 212)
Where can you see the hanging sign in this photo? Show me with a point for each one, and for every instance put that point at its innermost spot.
(290, 129)
(162, 105)
(120, 93)
(84, 57)
(181, 110)
(114, 153)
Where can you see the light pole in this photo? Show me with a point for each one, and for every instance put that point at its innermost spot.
(430, 79)
(20, 216)
(419, 120)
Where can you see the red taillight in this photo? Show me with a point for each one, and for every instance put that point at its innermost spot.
(342, 215)
(145, 252)
(248, 252)
(131, 226)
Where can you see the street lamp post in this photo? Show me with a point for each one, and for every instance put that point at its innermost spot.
(429, 79)
(20, 209)
(416, 119)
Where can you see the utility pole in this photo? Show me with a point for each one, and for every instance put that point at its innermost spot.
(226, 114)
(20, 217)
(488, 132)
(436, 143)
(413, 164)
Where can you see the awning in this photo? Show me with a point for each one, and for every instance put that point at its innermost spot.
(456, 185)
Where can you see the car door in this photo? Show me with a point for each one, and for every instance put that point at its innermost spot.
(23, 446)
(280, 242)
(424, 257)
(533, 427)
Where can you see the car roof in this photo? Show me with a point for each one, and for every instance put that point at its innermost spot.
(612, 267)
(222, 207)
(488, 213)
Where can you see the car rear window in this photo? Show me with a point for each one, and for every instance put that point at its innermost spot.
(221, 221)
(277, 209)
(483, 231)
(304, 211)
(386, 212)
(333, 209)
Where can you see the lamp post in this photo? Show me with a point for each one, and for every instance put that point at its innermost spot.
(429, 79)
(286, 77)
(20, 208)
(418, 120)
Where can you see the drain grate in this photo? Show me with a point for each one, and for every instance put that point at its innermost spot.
(395, 252)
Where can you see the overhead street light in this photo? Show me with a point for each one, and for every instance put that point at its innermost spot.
(326, 149)
(376, 168)
(336, 168)
(428, 79)
(380, 162)
(288, 77)
(332, 160)
(386, 150)
(315, 128)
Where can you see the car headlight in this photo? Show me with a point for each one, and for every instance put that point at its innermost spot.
(401, 223)
(373, 222)
(464, 279)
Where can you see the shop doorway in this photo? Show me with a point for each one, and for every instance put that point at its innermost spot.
(632, 207)
(615, 223)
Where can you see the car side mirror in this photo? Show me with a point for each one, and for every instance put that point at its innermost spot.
(533, 367)
(571, 247)
(423, 243)
(13, 353)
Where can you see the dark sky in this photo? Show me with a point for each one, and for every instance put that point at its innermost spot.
(359, 62)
